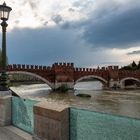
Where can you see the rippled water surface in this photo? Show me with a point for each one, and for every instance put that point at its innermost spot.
(124, 102)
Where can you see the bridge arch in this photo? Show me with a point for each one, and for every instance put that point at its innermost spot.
(122, 82)
(102, 80)
(33, 74)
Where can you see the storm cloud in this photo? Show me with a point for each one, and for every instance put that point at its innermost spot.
(91, 32)
(114, 29)
(57, 18)
(45, 46)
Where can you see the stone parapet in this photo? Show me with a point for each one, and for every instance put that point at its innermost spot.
(51, 121)
(5, 108)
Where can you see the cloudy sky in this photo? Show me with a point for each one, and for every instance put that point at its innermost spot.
(86, 32)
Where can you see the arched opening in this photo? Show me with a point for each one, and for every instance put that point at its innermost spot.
(90, 82)
(21, 76)
(29, 84)
(130, 82)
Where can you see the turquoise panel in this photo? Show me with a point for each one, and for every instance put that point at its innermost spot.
(22, 113)
(88, 125)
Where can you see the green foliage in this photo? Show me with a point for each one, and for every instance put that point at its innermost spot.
(138, 66)
(132, 66)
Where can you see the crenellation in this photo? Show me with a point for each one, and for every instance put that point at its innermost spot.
(97, 70)
(76, 69)
(116, 67)
(56, 64)
(63, 65)
(32, 66)
(10, 67)
(23, 66)
(60, 64)
(72, 64)
(103, 68)
(109, 67)
(68, 64)
(27, 67)
(93, 70)
(14, 66)
(44, 67)
(40, 67)
(19, 66)
(36, 67)
(48, 68)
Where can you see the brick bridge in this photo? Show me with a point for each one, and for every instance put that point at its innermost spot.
(66, 74)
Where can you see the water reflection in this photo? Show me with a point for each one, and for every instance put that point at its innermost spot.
(115, 102)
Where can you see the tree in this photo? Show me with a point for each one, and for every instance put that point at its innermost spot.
(126, 68)
(133, 64)
(138, 66)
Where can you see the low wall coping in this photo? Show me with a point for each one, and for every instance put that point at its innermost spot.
(5, 93)
(50, 109)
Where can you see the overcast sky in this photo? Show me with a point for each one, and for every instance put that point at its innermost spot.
(86, 32)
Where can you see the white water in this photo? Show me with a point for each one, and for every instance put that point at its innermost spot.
(41, 90)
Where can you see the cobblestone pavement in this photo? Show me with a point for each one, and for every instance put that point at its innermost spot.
(13, 133)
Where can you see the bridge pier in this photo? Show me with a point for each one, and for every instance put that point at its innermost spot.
(122, 85)
(67, 85)
(114, 84)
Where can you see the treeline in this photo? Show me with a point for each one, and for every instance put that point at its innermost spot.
(132, 66)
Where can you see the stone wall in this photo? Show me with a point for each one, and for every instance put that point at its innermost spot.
(51, 121)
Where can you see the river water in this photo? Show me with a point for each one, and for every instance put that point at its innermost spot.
(119, 102)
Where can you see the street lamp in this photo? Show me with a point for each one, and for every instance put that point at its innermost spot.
(4, 15)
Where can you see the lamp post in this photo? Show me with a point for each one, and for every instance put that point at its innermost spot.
(4, 15)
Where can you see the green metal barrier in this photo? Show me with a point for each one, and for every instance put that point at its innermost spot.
(88, 125)
(22, 113)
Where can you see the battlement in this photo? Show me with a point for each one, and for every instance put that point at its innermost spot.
(70, 65)
(63, 64)
(84, 70)
(24, 67)
(113, 67)
(96, 69)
